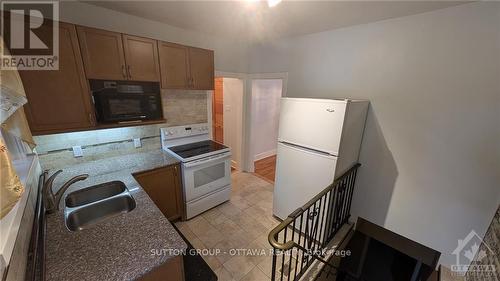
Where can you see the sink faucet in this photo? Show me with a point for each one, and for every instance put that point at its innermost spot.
(52, 201)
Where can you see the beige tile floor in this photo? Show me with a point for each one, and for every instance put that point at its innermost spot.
(241, 223)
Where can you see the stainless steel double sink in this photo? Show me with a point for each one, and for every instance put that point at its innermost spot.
(91, 205)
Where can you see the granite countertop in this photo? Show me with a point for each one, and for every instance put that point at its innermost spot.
(118, 248)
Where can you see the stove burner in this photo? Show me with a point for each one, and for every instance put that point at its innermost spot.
(197, 148)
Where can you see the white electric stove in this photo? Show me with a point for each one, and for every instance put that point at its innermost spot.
(206, 166)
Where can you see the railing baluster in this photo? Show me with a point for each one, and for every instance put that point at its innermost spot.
(343, 205)
(305, 240)
(342, 201)
(330, 214)
(273, 272)
(291, 254)
(335, 208)
(348, 196)
(320, 227)
(352, 191)
(322, 204)
(283, 255)
(299, 251)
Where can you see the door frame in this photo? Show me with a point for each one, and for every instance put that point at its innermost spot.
(247, 163)
(242, 77)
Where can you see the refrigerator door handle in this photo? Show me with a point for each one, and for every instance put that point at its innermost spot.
(307, 150)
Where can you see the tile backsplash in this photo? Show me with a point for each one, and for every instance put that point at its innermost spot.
(180, 107)
(491, 258)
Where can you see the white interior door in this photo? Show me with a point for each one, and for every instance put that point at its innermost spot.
(233, 117)
(300, 175)
(312, 123)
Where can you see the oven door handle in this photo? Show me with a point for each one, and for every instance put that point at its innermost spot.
(205, 160)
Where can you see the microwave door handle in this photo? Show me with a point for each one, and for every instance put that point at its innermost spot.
(204, 161)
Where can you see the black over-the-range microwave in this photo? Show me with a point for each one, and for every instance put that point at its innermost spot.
(124, 102)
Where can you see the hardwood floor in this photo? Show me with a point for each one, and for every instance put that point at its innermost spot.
(266, 168)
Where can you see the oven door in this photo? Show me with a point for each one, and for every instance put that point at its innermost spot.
(206, 175)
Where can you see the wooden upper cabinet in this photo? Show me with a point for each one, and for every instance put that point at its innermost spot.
(185, 67)
(111, 55)
(59, 100)
(102, 53)
(201, 65)
(174, 65)
(141, 57)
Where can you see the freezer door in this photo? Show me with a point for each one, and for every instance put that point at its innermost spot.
(312, 123)
(300, 175)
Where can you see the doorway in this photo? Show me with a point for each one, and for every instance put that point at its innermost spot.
(265, 110)
(227, 116)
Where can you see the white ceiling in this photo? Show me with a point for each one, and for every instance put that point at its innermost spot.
(255, 20)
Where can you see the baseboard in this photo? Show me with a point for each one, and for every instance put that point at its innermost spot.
(263, 155)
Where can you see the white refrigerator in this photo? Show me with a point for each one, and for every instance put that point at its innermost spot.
(318, 140)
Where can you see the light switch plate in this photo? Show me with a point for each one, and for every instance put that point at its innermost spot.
(77, 151)
(137, 143)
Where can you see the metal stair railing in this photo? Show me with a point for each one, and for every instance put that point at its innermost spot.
(302, 237)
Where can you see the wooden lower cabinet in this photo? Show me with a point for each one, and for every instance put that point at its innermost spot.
(163, 185)
(171, 270)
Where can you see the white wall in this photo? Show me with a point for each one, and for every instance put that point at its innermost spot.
(265, 109)
(232, 89)
(431, 149)
(230, 54)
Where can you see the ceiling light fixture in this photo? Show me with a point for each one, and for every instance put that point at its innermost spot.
(273, 3)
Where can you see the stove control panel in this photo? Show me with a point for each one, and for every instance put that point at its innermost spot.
(184, 131)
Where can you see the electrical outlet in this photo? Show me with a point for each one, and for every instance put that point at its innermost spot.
(77, 151)
(137, 142)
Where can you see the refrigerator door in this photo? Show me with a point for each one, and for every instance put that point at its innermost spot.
(312, 123)
(300, 175)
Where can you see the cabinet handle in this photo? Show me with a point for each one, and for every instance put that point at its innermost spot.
(128, 70)
(124, 73)
(91, 118)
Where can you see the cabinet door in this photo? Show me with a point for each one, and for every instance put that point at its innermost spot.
(141, 56)
(102, 53)
(201, 64)
(164, 188)
(218, 111)
(174, 66)
(59, 100)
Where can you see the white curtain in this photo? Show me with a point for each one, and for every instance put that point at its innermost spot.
(12, 120)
